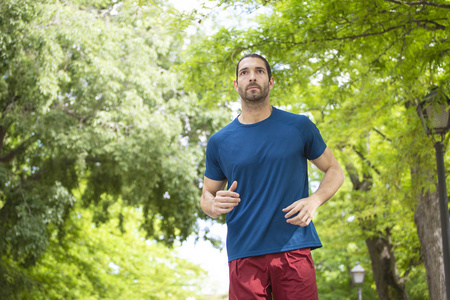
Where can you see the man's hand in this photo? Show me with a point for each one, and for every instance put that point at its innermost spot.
(331, 182)
(304, 208)
(225, 201)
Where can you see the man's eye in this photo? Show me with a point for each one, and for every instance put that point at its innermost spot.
(243, 73)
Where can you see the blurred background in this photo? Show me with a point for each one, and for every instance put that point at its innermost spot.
(107, 106)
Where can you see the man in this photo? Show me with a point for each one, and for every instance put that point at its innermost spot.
(263, 156)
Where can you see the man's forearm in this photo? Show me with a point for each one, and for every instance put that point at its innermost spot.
(206, 202)
(330, 184)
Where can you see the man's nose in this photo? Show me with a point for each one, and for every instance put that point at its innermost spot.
(252, 76)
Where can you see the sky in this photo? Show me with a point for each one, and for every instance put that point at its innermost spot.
(212, 260)
(187, 5)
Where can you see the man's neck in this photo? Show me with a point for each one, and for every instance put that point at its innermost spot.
(255, 113)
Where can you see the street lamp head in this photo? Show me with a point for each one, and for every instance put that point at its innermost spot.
(358, 273)
(434, 113)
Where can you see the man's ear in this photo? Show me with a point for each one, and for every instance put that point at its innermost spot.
(235, 85)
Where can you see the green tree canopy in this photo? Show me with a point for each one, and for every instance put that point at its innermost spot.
(358, 69)
(88, 99)
(105, 262)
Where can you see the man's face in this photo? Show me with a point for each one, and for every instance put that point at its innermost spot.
(252, 83)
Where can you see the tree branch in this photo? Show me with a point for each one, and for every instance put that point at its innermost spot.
(422, 23)
(9, 105)
(366, 34)
(350, 37)
(22, 147)
(3, 131)
(424, 3)
(4, 128)
(70, 112)
(358, 185)
(412, 263)
(25, 200)
(366, 160)
(380, 133)
(353, 174)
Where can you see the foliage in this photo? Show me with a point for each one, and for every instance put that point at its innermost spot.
(106, 263)
(88, 98)
(358, 69)
(339, 44)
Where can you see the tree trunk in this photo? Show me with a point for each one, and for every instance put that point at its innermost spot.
(428, 224)
(384, 267)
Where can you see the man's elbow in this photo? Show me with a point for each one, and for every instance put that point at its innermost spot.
(340, 175)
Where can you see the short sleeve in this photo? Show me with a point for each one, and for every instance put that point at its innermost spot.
(213, 169)
(314, 144)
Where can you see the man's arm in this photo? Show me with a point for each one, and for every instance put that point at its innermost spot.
(215, 201)
(331, 182)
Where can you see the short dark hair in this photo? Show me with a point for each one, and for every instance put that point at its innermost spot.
(269, 71)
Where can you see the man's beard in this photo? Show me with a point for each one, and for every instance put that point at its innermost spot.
(254, 96)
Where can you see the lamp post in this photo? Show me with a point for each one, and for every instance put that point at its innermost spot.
(434, 114)
(358, 273)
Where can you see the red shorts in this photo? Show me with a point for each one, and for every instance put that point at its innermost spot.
(286, 275)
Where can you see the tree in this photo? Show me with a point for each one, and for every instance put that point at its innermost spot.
(109, 261)
(88, 98)
(358, 68)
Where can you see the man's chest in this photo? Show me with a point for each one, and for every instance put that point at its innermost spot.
(254, 149)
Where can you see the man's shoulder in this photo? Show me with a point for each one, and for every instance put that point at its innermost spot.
(224, 132)
(292, 118)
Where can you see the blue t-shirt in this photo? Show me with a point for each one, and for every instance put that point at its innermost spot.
(268, 159)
